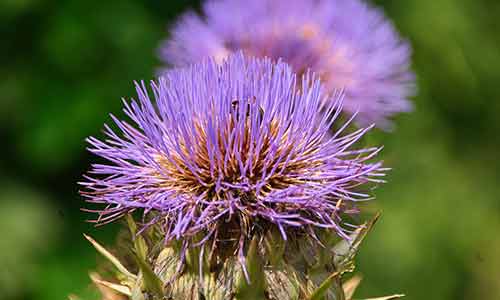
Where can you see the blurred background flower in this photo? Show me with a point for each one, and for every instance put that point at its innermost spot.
(350, 44)
(64, 65)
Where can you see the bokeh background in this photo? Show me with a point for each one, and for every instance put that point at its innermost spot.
(64, 65)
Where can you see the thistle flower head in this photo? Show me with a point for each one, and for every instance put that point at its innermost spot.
(222, 152)
(348, 43)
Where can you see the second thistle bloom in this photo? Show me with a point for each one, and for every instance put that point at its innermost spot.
(221, 152)
(351, 45)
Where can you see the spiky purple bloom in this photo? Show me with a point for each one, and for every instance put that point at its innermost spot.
(224, 150)
(350, 44)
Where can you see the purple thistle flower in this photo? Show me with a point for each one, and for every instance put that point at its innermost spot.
(351, 45)
(225, 150)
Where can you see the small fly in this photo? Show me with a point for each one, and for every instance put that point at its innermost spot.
(235, 103)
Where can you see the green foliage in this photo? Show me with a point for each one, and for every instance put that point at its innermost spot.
(25, 236)
(65, 65)
(111, 258)
(255, 286)
(330, 282)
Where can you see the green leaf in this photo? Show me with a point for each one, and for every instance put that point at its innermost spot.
(397, 296)
(351, 285)
(193, 260)
(275, 247)
(137, 291)
(255, 289)
(122, 289)
(322, 290)
(111, 258)
(141, 248)
(151, 282)
(345, 251)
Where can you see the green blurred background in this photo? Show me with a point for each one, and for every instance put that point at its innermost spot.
(64, 65)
